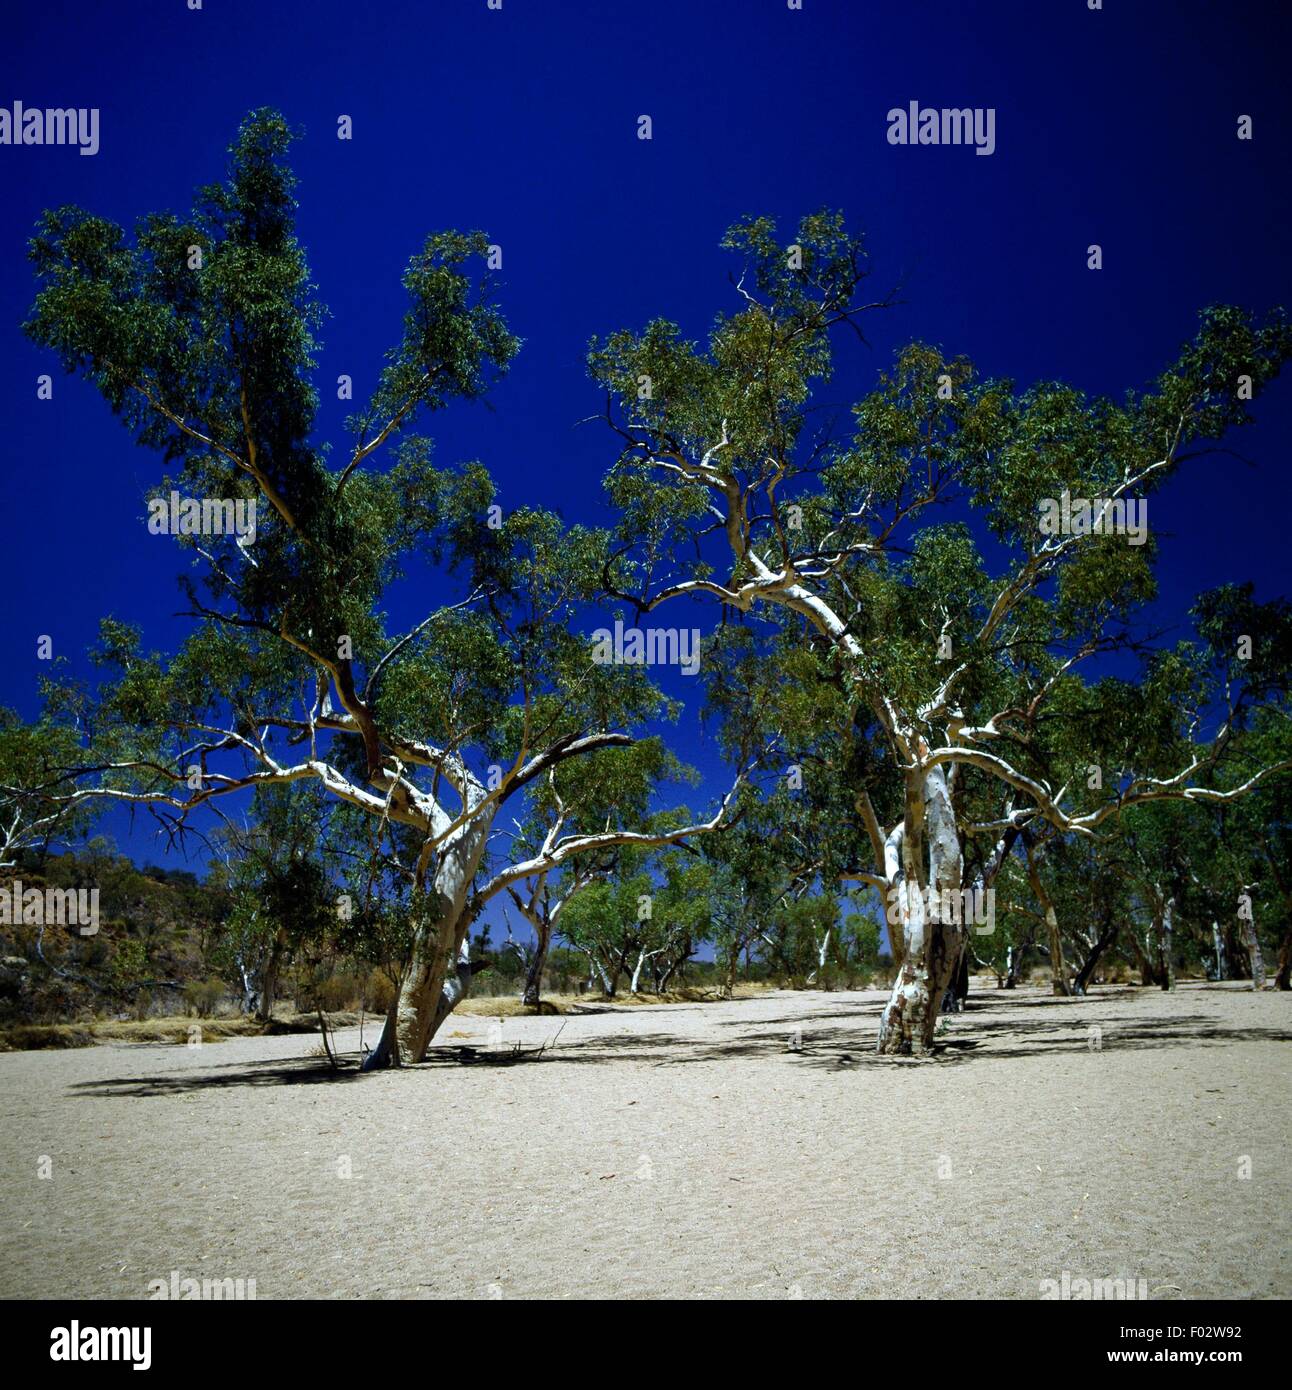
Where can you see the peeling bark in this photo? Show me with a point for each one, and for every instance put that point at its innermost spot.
(1254, 951)
(439, 974)
(931, 945)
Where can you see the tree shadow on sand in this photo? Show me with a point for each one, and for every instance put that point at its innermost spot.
(997, 1039)
(297, 1071)
(818, 1040)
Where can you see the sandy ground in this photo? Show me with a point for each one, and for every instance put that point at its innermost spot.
(680, 1151)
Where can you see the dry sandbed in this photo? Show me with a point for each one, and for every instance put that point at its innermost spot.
(688, 1150)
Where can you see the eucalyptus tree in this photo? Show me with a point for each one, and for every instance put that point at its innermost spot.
(544, 899)
(680, 920)
(603, 923)
(726, 493)
(613, 790)
(278, 882)
(1250, 859)
(1073, 899)
(751, 874)
(1171, 887)
(199, 332)
(643, 911)
(791, 851)
(1095, 902)
(802, 936)
(1166, 867)
(32, 758)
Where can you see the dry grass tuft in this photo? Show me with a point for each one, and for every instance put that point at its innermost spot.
(26, 1037)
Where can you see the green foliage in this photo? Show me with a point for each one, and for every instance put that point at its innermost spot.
(890, 591)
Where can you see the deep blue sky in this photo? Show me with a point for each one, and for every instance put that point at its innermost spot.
(1115, 127)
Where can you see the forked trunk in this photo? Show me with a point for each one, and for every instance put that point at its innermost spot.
(597, 971)
(676, 966)
(439, 975)
(1106, 938)
(1147, 973)
(534, 975)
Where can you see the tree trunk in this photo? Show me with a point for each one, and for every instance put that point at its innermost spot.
(250, 994)
(1254, 950)
(534, 975)
(1147, 975)
(616, 971)
(1218, 942)
(1168, 945)
(1014, 965)
(1058, 967)
(597, 970)
(892, 872)
(439, 974)
(930, 945)
(739, 943)
(269, 979)
(675, 967)
(1106, 938)
(1283, 980)
(958, 990)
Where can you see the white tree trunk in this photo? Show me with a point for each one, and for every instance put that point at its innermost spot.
(822, 950)
(1254, 950)
(1168, 945)
(1222, 966)
(250, 994)
(930, 945)
(439, 974)
(596, 970)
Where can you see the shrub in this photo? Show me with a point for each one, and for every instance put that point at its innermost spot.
(378, 992)
(203, 996)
